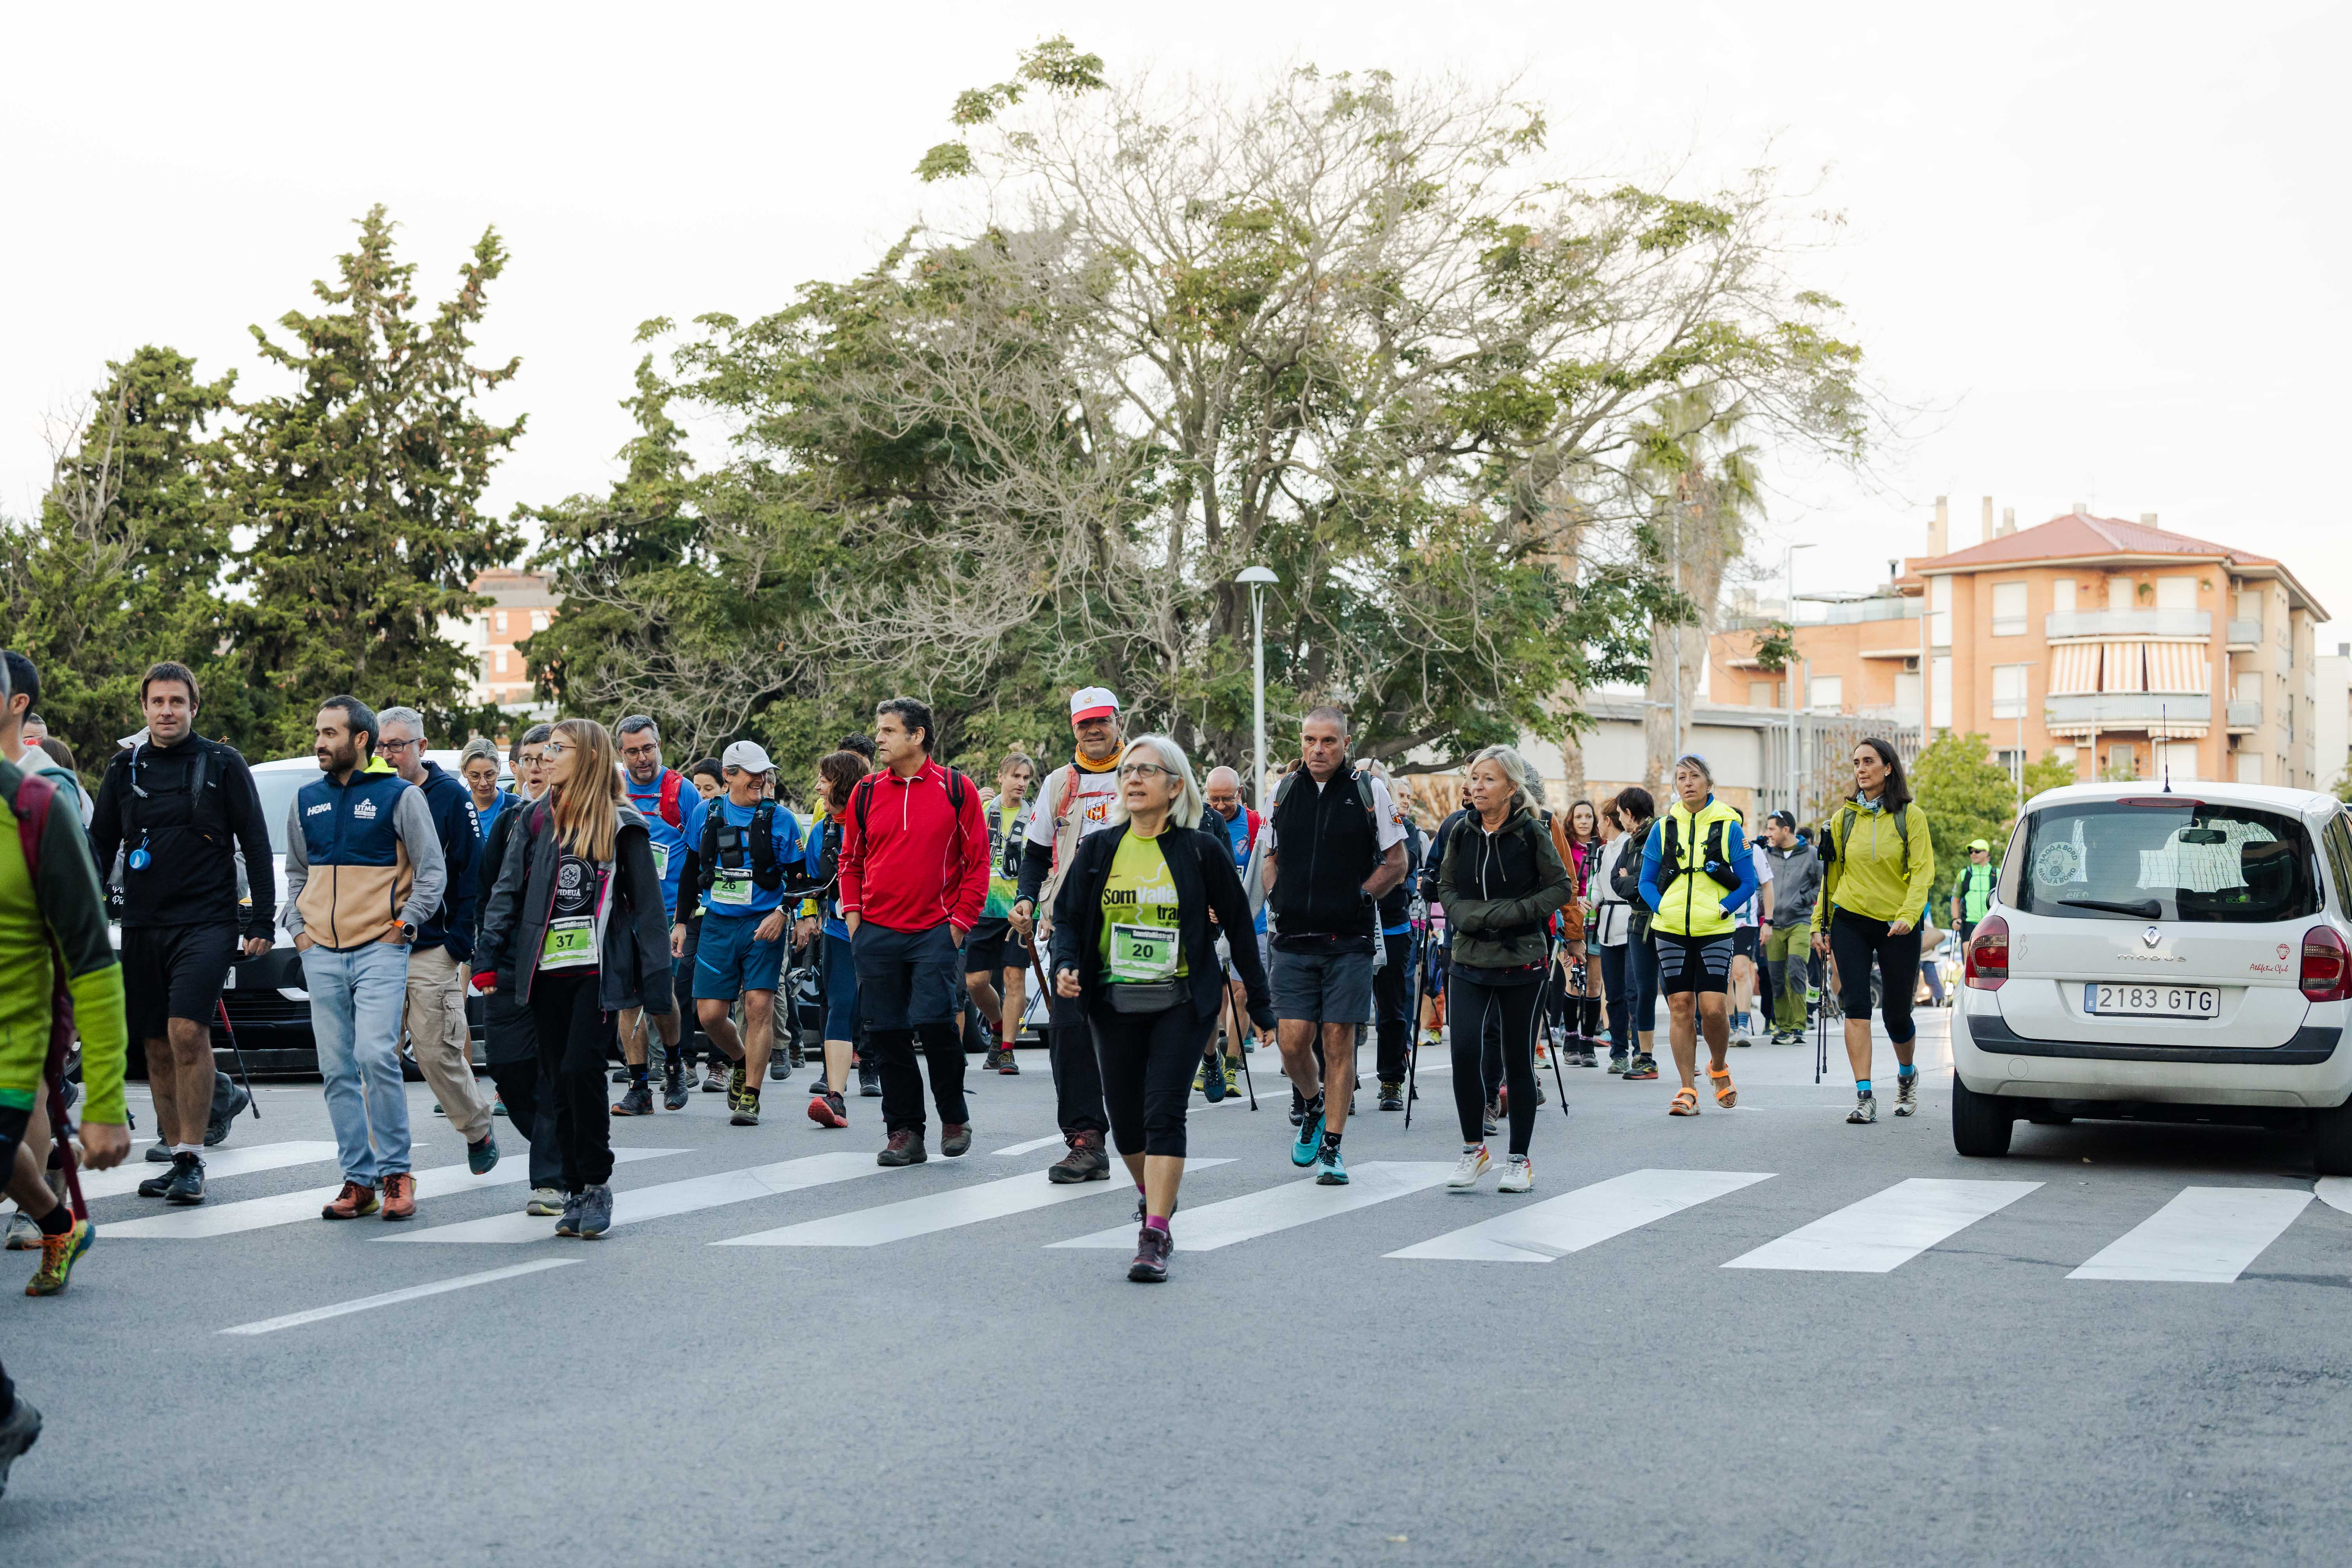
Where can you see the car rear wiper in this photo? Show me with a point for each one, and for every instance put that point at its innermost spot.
(2144, 909)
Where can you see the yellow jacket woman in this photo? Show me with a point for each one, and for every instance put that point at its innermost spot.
(1877, 861)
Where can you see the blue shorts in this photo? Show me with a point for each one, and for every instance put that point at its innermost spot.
(729, 961)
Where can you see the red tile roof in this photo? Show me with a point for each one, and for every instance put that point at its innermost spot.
(2077, 534)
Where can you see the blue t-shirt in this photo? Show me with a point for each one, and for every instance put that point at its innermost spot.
(812, 862)
(740, 895)
(670, 844)
(1238, 834)
(486, 819)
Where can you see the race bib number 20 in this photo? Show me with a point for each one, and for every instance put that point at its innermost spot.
(1142, 954)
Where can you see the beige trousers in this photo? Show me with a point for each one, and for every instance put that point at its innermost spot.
(443, 1046)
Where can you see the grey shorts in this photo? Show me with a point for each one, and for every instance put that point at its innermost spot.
(1321, 987)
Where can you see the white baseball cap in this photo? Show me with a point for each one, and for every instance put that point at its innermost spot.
(749, 755)
(1092, 702)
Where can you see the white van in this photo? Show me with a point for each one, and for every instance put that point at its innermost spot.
(2167, 953)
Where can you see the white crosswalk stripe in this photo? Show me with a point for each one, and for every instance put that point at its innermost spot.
(938, 1211)
(259, 1213)
(1540, 1232)
(2204, 1236)
(1886, 1229)
(635, 1205)
(218, 1164)
(1293, 1203)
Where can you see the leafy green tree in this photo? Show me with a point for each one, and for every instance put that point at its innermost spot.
(363, 488)
(122, 566)
(1968, 794)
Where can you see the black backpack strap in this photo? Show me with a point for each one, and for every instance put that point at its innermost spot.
(767, 870)
(706, 859)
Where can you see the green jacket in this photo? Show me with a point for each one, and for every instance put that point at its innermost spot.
(1868, 870)
(1499, 888)
(67, 906)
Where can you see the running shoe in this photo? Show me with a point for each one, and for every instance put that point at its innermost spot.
(1469, 1168)
(499, 1105)
(1906, 1095)
(1519, 1175)
(638, 1101)
(955, 1138)
(1542, 1098)
(1865, 1111)
(675, 1087)
(869, 1078)
(1011, 1067)
(780, 1067)
(827, 1110)
(546, 1203)
(1085, 1161)
(400, 1196)
(1310, 1134)
(1330, 1169)
(1297, 1106)
(1584, 1057)
(1233, 1076)
(991, 1060)
(905, 1148)
(58, 1255)
(156, 1185)
(569, 1225)
(1646, 1067)
(1152, 1247)
(1391, 1096)
(1200, 1077)
(738, 1084)
(747, 1110)
(1543, 1053)
(187, 1182)
(1619, 1058)
(356, 1201)
(1211, 1079)
(22, 1233)
(225, 1110)
(595, 1216)
(714, 1075)
(18, 1433)
(1490, 1122)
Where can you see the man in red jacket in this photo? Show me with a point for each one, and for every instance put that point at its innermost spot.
(914, 874)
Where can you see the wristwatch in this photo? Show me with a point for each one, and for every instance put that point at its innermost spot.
(407, 931)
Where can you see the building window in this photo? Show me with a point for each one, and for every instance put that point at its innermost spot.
(1827, 691)
(1763, 694)
(2009, 609)
(2123, 761)
(2175, 760)
(538, 620)
(2249, 767)
(1939, 612)
(2176, 593)
(2062, 597)
(1939, 691)
(2119, 594)
(500, 620)
(2009, 690)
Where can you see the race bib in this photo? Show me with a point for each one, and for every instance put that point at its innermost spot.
(661, 862)
(571, 944)
(730, 888)
(1142, 954)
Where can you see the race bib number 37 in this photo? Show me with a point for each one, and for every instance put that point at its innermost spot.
(571, 944)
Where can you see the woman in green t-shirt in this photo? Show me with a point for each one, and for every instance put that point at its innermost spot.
(1133, 938)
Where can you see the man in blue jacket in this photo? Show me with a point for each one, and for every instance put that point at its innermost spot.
(439, 963)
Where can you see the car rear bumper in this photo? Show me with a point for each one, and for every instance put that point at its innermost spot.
(2311, 1070)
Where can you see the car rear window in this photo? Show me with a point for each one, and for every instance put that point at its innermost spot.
(2153, 858)
(279, 786)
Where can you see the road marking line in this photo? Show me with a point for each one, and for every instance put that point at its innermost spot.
(2204, 1236)
(286, 1209)
(1280, 1208)
(637, 1205)
(1032, 1143)
(2335, 1192)
(392, 1298)
(1555, 1227)
(218, 1163)
(1886, 1229)
(937, 1212)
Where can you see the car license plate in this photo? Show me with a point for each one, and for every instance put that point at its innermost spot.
(2152, 1001)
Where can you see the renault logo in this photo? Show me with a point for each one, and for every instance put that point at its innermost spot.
(2151, 936)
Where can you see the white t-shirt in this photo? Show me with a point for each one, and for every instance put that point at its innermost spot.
(1747, 911)
(1072, 788)
(1391, 820)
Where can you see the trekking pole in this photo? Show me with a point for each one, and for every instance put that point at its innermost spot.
(1225, 970)
(1821, 1037)
(237, 1050)
(1551, 970)
(1412, 1022)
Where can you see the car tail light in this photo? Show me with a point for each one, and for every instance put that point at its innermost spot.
(2327, 966)
(1989, 954)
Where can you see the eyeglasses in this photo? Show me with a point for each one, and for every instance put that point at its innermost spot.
(397, 745)
(1140, 769)
(552, 749)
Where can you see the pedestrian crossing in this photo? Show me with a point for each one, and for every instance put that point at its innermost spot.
(2211, 1235)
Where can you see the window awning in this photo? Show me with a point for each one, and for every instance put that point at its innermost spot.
(2074, 668)
(2122, 667)
(2181, 667)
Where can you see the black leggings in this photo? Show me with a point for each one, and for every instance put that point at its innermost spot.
(1468, 1005)
(575, 1034)
(1856, 942)
(1147, 1060)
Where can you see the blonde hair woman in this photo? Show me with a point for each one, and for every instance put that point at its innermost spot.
(575, 929)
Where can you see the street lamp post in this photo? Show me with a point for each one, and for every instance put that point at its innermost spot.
(1788, 673)
(1259, 578)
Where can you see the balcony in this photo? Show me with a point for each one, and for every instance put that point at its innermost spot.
(2245, 633)
(2130, 709)
(2128, 623)
(2246, 715)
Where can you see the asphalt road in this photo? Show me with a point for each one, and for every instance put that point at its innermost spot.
(926, 1377)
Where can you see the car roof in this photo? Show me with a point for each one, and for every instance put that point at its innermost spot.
(2267, 797)
(447, 759)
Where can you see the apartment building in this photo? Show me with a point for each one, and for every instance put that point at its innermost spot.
(2129, 650)
(521, 603)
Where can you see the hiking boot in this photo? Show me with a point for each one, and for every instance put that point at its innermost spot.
(675, 1087)
(1152, 1246)
(747, 1110)
(1233, 1076)
(738, 1083)
(156, 1185)
(638, 1101)
(1010, 1069)
(1086, 1161)
(356, 1201)
(1391, 1096)
(400, 1196)
(905, 1148)
(869, 1078)
(780, 1067)
(595, 1216)
(1210, 1078)
(714, 1075)
(1618, 1059)
(18, 1433)
(825, 1108)
(955, 1138)
(225, 1106)
(187, 1181)
(483, 1157)
(58, 1255)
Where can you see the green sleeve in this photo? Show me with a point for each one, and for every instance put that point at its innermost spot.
(76, 912)
(1923, 858)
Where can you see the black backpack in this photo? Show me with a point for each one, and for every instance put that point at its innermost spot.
(756, 843)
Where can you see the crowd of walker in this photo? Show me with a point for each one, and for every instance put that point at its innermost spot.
(608, 900)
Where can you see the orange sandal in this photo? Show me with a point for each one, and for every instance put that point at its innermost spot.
(1686, 1103)
(1725, 1094)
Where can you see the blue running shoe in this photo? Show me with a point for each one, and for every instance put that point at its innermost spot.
(1211, 1079)
(1330, 1171)
(1310, 1134)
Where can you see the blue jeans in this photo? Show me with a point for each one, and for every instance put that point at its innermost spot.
(355, 1008)
(1630, 972)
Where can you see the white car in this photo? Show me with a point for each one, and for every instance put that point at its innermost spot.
(2177, 954)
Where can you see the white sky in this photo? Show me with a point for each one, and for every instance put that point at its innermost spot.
(2090, 243)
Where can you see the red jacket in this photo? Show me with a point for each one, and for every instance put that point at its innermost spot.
(909, 859)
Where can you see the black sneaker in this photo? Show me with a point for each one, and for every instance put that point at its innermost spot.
(1086, 1161)
(905, 1148)
(869, 1080)
(638, 1101)
(1391, 1096)
(18, 1433)
(229, 1099)
(674, 1088)
(1297, 1106)
(780, 1067)
(156, 1185)
(186, 1184)
(1152, 1247)
(159, 1153)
